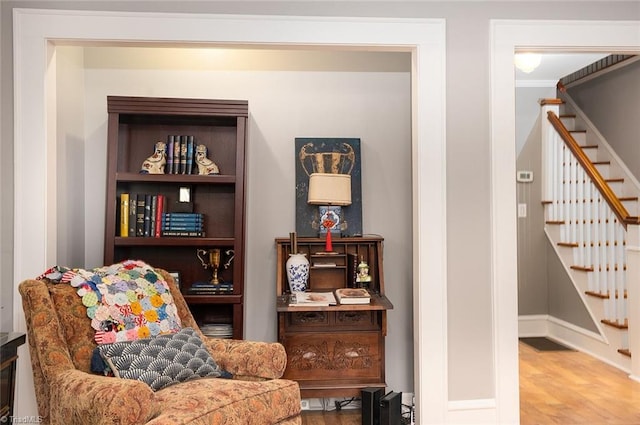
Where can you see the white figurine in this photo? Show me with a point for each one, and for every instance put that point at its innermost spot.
(155, 163)
(206, 167)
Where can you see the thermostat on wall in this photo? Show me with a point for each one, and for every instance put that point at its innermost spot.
(525, 176)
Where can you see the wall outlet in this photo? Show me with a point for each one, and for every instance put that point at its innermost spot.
(304, 404)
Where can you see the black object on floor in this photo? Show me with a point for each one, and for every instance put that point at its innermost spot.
(391, 409)
(545, 344)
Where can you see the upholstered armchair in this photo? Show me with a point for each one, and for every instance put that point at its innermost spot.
(61, 344)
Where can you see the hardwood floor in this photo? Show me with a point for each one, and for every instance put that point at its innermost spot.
(571, 388)
(556, 388)
(343, 417)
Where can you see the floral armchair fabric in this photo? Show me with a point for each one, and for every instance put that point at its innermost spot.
(61, 344)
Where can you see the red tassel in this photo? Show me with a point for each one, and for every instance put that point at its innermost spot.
(329, 246)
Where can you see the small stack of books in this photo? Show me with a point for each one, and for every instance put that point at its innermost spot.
(205, 288)
(305, 299)
(217, 330)
(183, 224)
(353, 296)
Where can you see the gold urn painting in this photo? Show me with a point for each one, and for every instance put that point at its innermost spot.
(335, 156)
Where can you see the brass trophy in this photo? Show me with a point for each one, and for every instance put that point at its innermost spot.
(213, 262)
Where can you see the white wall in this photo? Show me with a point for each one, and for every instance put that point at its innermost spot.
(72, 182)
(527, 111)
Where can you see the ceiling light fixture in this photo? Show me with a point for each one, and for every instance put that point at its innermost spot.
(527, 62)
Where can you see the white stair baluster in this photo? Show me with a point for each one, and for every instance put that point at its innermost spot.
(620, 272)
(566, 216)
(580, 207)
(595, 227)
(588, 241)
(552, 181)
(559, 187)
(611, 263)
(603, 247)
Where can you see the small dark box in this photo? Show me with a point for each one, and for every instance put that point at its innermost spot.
(391, 409)
(182, 207)
(371, 405)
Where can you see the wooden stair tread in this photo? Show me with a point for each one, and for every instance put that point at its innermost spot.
(582, 268)
(624, 352)
(551, 101)
(597, 295)
(615, 324)
(602, 295)
(568, 244)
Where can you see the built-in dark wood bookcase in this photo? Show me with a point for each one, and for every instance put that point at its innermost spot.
(135, 124)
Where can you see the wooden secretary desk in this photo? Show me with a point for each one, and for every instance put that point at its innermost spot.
(334, 351)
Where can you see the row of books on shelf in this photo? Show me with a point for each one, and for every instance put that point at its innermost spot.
(200, 288)
(323, 299)
(143, 215)
(180, 154)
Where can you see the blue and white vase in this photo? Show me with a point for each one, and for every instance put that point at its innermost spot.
(297, 267)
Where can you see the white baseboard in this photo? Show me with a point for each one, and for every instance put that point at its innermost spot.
(533, 325)
(572, 336)
(477, 412)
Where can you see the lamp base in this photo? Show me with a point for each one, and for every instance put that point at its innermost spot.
(330, 214)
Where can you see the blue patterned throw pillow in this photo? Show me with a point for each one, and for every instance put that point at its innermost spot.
(161, 361)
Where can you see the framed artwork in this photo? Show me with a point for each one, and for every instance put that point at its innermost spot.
(328, 155)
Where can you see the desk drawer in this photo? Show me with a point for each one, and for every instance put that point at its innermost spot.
(307, 320)
(356, 319)
(338, 320)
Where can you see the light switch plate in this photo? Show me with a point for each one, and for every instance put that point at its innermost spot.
(522, 210)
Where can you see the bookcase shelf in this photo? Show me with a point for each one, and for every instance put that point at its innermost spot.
(178, 241)
(175, 178)
(135, 125)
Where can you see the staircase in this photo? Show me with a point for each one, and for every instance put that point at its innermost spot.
(591, 208)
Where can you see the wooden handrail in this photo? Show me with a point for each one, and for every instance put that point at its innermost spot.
(599, 182)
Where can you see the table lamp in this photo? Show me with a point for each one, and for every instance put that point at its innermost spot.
(331, 192)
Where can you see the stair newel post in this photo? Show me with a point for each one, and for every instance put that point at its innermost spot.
(550, 162)
(633, 297)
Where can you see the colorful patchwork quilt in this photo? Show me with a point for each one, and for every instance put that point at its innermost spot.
(126, 301)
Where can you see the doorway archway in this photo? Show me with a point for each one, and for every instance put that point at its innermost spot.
(507, 37)
(37, 31)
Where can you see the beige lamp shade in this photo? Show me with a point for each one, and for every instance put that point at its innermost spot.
(329, 189)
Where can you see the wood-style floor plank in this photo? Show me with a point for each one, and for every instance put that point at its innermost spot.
(343, 417)
(556, 388)
(571, 388)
